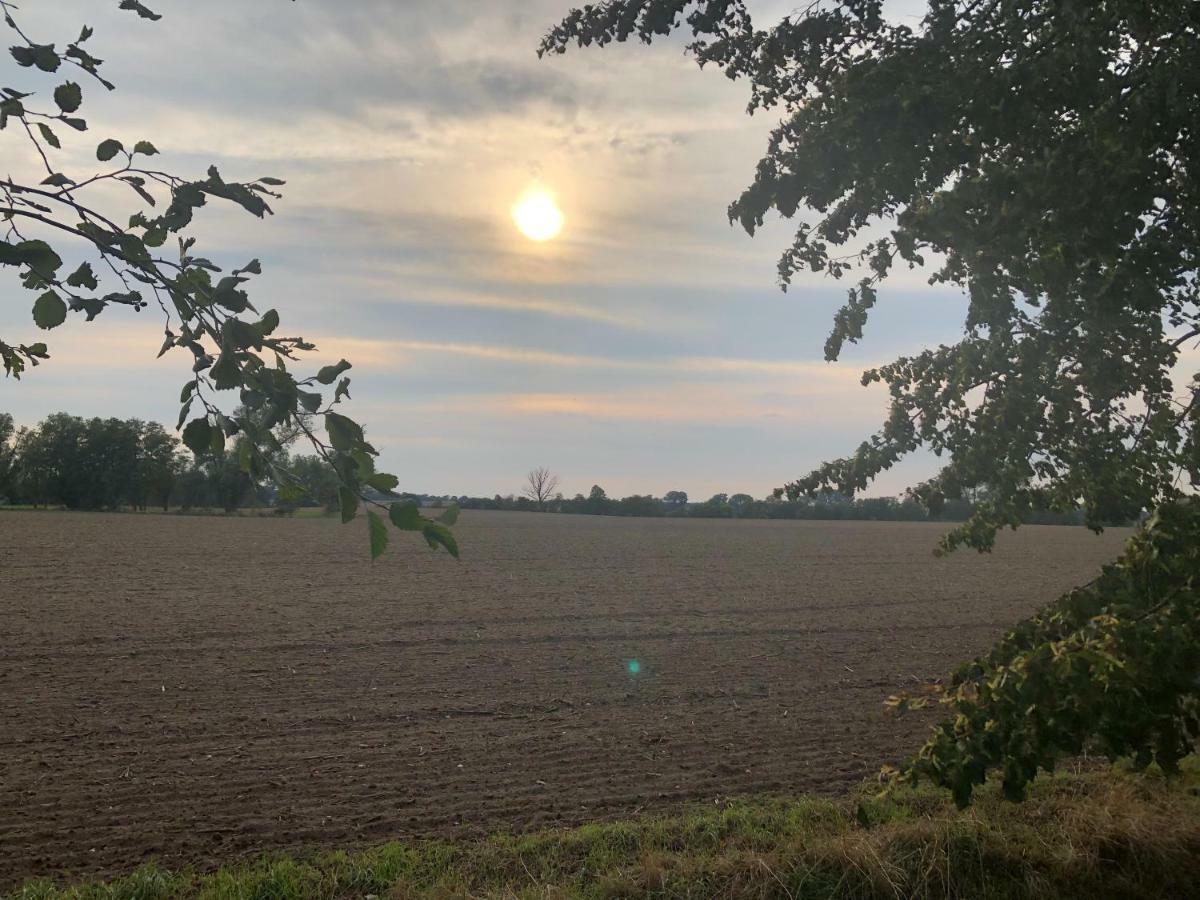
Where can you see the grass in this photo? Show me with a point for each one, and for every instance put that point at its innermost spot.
(1100, 834)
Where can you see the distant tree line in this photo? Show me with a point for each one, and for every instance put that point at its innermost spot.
(827, 506)
(105, 464)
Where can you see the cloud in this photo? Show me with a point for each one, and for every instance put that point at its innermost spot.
(651, 340)
(382, 353)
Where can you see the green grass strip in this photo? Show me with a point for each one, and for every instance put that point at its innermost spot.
(1107, 834)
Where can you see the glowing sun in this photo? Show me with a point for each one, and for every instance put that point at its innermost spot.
(537, 215)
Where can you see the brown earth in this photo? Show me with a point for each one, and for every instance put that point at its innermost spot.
(195, 689)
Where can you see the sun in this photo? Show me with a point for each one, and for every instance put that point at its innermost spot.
(537, 215)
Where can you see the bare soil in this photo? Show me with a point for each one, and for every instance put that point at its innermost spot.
(193, 690)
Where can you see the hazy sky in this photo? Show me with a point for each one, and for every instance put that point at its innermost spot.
(646, 349)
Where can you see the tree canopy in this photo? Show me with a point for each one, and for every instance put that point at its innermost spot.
(1042, 156)
(1039, 154)
(79, 256)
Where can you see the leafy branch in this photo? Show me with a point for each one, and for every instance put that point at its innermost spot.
(205, 311)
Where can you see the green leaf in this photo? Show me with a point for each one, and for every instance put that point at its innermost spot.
(142, 10)
(49, 311)
(46, 59)
(49, 136)
(349, 502)
(364, 463)
(310, 401)
(329, 374)
(198, 436)
(343, 390)
(438, 534)
(381, 481)
(37, 255)
(450, 516)
(344, 434)
(108, 149)
(41, 55)
(245, 456)
(240, 335)
(406, 516)
(84, 277)
(268, 323)
(58, 179)
(225, 373)
(68, 96)
(188, 389)
(379, 534)
(145, 148)
(139, 185)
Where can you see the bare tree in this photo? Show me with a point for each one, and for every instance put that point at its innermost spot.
(540, 486)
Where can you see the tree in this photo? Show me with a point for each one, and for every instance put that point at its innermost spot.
(540, 485)
(159, 465)
(676, 499)
(94, 463)
(319, 483)
(52, 468)
(207, 315)
(1042, 157)
(597, 502)
(8, 433)
(739, 503)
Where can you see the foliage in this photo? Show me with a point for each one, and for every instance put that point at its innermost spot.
(110, 463)
(94, 463)
(822, 507)
(1111, 667)
(7, 455)
(1079, 836)
(1041, 156)
(207, 314)
(319, 483)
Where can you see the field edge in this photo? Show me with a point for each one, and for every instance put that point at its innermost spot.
(1103, 832)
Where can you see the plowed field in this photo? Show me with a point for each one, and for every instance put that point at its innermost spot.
(194, 689)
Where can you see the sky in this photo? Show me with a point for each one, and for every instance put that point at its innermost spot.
(648, 348)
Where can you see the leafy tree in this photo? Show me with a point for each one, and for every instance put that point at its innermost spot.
(193, 490)
(597, 503)
(8, 434)
(716, 506)
(676, 499)
(319, 483)
(159, 465)
(640, 505)
(739, 503)
(94, 463)
(207, 314)
(230, 486)
(1040, 155)
(52, 466)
